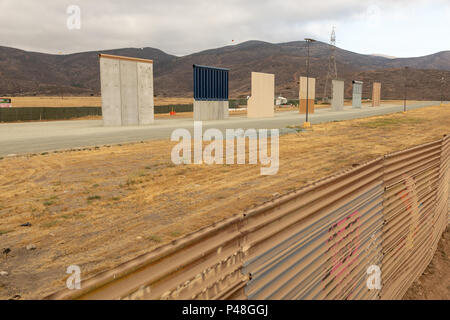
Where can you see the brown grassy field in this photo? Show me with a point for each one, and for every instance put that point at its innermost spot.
(97, 101)
(98, 208)
(81, 101)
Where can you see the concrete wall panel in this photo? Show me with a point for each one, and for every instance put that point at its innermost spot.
(127, 90)
(145, 93)
(357, 94)
(110, 87)
(210, 110)
(376, 94)
(129, 93)
(307, 91)
(261, 103)
(337, 102)
(311, 89)
(226, 109)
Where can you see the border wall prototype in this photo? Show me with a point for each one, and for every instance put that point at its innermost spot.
(261, 103)
(376, 94)
(127, 90)
(357, 94)
(315, 243)
(307, 94)
(210, 93)
(337, 101)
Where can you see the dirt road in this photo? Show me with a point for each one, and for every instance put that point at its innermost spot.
(38, 137)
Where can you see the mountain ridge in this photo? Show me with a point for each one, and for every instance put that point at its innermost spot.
(33, 73)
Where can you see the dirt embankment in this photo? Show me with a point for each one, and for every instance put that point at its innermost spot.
(434, 284)
(98, 208)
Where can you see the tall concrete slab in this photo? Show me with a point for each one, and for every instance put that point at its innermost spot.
(129, 93)
(261, 102)
(357, 94)
(337, 102)
(127, 90)
(307, 93)
(145, 93)
(110, 88)
(376, 94)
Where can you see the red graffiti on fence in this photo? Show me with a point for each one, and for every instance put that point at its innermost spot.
(344, 242)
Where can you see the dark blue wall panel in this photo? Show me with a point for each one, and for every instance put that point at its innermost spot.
(210, 83)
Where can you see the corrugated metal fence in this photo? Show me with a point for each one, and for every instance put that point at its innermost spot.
(411, 181)
(315, 243)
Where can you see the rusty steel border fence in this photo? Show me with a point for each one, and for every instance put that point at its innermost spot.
(314, 243)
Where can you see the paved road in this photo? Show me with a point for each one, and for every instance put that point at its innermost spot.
(33, 137)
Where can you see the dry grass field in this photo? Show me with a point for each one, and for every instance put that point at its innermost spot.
(42, 101)
(98, 208)
(81, 101)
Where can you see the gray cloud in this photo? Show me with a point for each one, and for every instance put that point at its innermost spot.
(176, 26)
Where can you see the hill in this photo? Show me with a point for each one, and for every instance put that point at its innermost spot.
(29, 73)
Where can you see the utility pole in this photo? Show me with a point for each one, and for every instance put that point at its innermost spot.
(406, 79)
(332, 68)
(307, 124)
(442, 90)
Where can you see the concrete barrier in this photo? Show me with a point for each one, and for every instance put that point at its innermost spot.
(337, 102)
(127, 90)
(307, 93)
(261, 103)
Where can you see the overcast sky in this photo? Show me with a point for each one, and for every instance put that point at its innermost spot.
(399, 28)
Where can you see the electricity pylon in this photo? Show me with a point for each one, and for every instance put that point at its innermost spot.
(332, 68)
